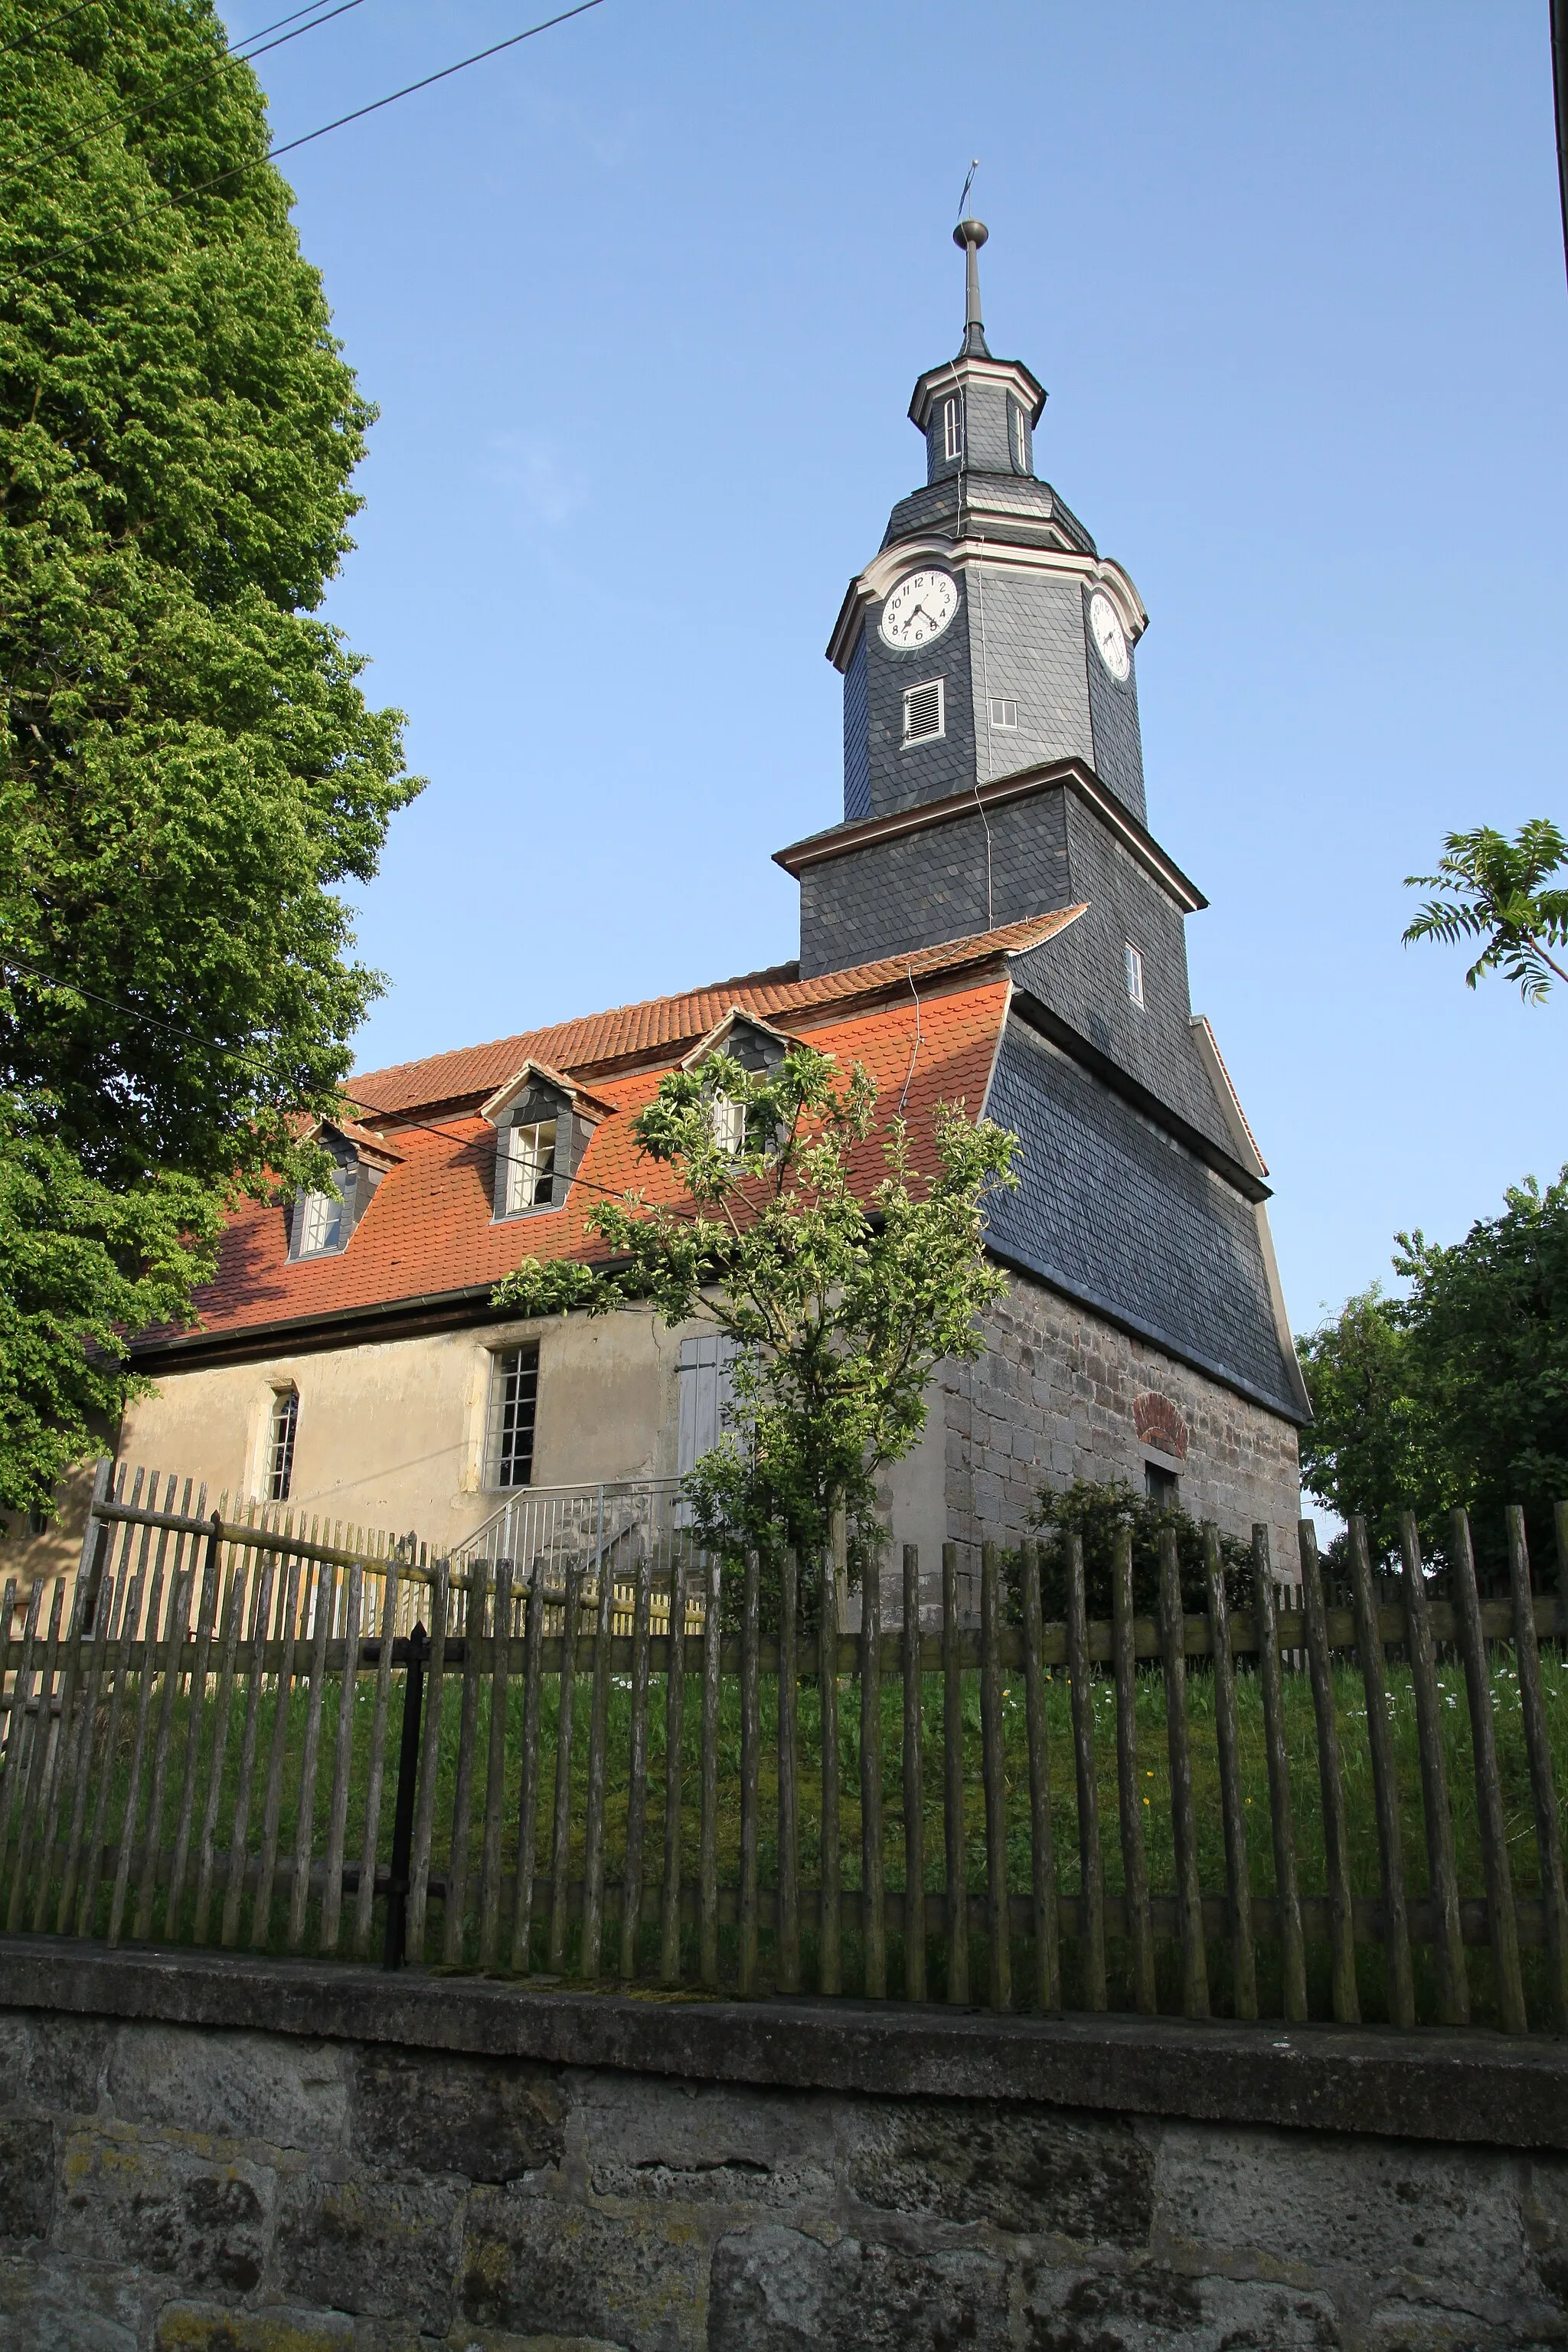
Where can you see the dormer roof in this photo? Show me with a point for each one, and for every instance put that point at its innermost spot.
(723, 1030)
(591, 1107)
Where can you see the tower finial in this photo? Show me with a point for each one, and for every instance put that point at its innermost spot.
(972, 235)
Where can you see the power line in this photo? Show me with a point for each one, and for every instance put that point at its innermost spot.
(236, 170)
(33, 31)
(238, 49)
(250, 1061)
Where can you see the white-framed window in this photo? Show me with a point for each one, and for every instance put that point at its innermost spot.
(530, 1166)
(951, 429)
(1004, 712)
(1021, 439)
(514, 1401)
(925, 714)
(1134, 968)
(728, 1120)
(321, 1224)
(283, 1429)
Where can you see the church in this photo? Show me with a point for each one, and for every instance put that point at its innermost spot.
(990, 922)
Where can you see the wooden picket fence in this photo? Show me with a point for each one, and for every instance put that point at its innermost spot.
(243, 1734)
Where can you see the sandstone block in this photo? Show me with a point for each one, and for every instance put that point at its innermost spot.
(247, 2086)
(50, 2305)
(650, 2137)
(212, 2327)
(163, 2209)
(54, 2064)
(26, 2179)
(386, 2248)
(533, 2262)
(777, 2290)
(487, 2119)
(1155, 2309)
(1384, 2210)
(965, 2160)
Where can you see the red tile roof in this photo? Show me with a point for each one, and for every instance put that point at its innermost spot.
(634, 1031)
(429, 1231)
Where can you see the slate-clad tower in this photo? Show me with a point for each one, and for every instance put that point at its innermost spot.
(993, 771)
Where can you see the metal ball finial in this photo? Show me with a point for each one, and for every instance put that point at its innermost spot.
(971, 233)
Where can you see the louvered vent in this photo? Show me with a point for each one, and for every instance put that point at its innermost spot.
(923, 713)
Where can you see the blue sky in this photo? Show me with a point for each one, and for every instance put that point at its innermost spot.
(642, 303)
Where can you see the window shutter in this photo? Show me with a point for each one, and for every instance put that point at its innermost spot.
(923, 712)
(706, 1388)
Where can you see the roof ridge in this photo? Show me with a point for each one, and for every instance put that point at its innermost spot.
(635, 1028)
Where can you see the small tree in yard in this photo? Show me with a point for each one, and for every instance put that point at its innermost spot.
(1097, 1515)
(840, 1305)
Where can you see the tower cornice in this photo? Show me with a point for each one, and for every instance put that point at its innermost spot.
(1055, 775)
(887, 567)
(1010, 376)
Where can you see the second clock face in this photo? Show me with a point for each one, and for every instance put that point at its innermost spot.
(1109, 636)
(918, 609)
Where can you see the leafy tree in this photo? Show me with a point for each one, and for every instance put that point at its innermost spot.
(188, 767)
(841, 1295)
(1366, 1448)
(1497, 897)
(1456, 1395)
(1098, 1514)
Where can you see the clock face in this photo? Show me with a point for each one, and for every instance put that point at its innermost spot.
(918, 609)
(1110, 638)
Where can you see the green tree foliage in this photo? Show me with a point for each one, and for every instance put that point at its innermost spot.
(841, 1295)
(1456, 1395)
(189, 769)
(1495, 895)
(1097, 1514)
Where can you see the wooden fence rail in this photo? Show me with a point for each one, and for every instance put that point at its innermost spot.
(246, 1731)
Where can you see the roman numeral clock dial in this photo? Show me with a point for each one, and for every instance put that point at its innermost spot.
(919, 610)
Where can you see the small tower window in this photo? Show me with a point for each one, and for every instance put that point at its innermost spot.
(924, 717)
(1020, 440)
(951, 429)
(1134, 962)
(1004, 713)
(280, 1436)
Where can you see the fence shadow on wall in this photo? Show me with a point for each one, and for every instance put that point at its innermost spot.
(240, 1734)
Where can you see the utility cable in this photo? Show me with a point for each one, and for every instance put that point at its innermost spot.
(914, 1051)
(240, 52)
(237, 170)
(19, 40)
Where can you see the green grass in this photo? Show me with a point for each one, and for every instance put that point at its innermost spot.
(1301, 1737)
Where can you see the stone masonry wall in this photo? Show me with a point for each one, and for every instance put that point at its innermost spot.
(167, 2188)
(1060, 1394)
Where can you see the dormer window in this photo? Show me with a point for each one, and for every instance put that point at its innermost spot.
(544, 1121)
(728, 1120)
(321, 1224)
(951, 429)
(530, 1166)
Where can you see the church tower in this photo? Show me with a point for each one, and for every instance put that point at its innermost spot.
(994, 773)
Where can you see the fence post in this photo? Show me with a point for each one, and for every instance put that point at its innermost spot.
(1332, 1780)
(1292, 1952)
(393, 1954)
(1502, 1919)
(1442, 1870)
